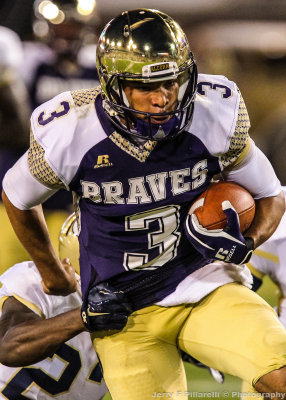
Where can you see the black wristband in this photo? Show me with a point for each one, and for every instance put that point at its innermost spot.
(249, 242)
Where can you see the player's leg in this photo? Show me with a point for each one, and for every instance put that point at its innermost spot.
(274, 382)
(143, 361)
(235, 331)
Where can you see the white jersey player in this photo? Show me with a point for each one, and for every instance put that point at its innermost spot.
(270, 259)
(72, 369)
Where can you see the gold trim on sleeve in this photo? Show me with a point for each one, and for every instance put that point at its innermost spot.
(240, 141)
(2, 301)
(39, 167)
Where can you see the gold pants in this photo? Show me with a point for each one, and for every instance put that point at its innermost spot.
(232, 329)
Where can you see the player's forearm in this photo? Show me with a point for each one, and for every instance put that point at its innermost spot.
(31, 229)
(268, 214)
(33, 341)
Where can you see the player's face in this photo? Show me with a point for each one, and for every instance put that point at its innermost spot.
(156, 97)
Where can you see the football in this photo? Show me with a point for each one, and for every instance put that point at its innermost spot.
(208, 206)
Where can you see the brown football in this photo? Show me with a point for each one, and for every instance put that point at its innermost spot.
(208, 206)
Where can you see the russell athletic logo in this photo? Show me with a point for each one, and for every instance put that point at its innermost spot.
(225, 254)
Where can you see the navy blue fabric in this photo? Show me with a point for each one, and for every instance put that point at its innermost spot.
(104, 239)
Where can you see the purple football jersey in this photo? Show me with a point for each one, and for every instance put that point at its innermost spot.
(133, 203)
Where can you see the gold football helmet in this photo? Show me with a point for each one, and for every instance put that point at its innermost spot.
(146, 46)
(68, 242)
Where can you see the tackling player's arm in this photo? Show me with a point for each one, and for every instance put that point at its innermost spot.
(26, 338)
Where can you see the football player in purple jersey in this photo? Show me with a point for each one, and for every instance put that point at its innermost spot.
(136, 151)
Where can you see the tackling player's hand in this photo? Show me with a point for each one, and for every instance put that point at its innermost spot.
(66, 287)
(105, 309)
(226, 244)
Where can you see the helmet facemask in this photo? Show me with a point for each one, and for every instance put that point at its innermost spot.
(119, 67)
(125, 117)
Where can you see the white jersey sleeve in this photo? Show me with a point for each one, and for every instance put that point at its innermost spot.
(62, 131)
(248, 174)
(216, 96)
(221, 122)
(73, 372)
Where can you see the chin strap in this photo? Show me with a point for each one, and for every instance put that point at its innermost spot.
(159, 131)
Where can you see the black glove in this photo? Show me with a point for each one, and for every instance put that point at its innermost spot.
(217, 375)
(105, 308)
(226, 244)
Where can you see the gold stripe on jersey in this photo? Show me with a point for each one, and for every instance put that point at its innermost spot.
(30, 305)
(83, 97)
(268, 256)
(2, 301)
(39, 167)
(244, 152)
(255, 271)
(140, 153)
(240, 141)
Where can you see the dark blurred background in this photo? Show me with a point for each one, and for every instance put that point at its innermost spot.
(243, 39)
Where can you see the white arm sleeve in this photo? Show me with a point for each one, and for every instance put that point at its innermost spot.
(22, 189)
(256, 174)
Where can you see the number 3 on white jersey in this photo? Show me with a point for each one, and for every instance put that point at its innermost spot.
(166, 238)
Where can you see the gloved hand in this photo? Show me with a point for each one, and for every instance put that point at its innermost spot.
(226, 244)
(105, 308)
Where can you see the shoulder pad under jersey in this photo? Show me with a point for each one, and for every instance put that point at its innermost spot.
(19, 280)
(66, 127)
(215, 112)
